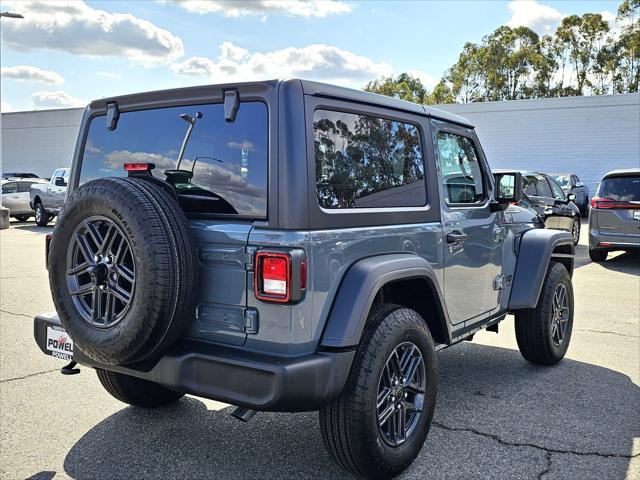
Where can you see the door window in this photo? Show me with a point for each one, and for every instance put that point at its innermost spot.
(543, 187)
(460, 169)
(9, 188)
(529, 186)
(558, 194)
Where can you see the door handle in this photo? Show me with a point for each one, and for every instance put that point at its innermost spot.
(456, 237)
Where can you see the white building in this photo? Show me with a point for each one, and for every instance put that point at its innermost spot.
(587, 136)
(39, 141)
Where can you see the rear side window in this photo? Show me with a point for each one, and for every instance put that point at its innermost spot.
(460, 169)
(364, 161)
(9, 188)
(24, 186)
(227, 160)
(620, 189)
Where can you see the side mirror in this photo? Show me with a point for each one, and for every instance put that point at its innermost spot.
(59, 182)
(571, 197)
(579, 184)
(508, 187)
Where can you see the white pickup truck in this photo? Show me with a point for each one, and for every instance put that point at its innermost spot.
(46, 199)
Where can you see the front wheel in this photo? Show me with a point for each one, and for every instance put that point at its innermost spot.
(136, 391)
(543, 333)
(42, 217)
(378, 424)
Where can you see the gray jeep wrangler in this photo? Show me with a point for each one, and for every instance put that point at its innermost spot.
(293, 246)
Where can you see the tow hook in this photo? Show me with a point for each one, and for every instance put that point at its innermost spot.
(70, 369)
(243, 414)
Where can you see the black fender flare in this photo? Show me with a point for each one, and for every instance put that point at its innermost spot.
(535, 249)
(357, 291)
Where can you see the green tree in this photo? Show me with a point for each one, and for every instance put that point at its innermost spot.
(585, 38)
(626, 77)
(404, 87)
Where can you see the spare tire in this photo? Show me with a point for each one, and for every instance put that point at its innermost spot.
(122, 270)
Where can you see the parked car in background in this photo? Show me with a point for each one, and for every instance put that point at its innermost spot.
(614, 218)
(544, 196)
(570, 183)
(15, 197)
(15, 175)
(47, 199)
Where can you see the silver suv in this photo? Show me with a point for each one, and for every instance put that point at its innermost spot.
(614, 218)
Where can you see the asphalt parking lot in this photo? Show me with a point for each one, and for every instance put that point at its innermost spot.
(497, 415)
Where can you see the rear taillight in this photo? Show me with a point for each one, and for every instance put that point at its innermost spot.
(599, 203)
(139, 167)
(280, 276)
(47, 243)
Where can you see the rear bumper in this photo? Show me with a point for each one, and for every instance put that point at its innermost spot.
(256, 381)
(613, 242)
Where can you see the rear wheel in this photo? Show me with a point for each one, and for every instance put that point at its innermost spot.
(378, 424)
(135, 391)
(543, 333)
(122, 270)
(598, 254)
(575, 230)
(22, 218)
(42, 217)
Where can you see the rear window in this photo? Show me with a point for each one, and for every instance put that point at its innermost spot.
(620, 189)
(228, 160)
(367, 162)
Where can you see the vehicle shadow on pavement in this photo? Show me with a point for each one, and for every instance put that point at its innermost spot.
(497, 416)
(623, 262)
(32, 227)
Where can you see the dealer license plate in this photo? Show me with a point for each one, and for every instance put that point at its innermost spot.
(59, 343)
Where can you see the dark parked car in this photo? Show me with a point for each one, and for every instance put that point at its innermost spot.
(570, 183)
(555, 209)
(614, 218)
(16, 175)
(310, 247)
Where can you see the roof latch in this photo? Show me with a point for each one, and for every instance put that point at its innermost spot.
(231, 105)
(113, 115)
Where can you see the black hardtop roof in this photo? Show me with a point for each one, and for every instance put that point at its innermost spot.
(309, 88)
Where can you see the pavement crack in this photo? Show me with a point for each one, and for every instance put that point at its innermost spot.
(532, 445)
(29, 376)
(547, 469)
(17, 314)
(608, 333)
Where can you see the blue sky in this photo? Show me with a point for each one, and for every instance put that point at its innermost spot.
(65, 53)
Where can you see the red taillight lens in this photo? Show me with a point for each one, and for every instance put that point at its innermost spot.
(139, 167)
(273, 276)
(607, 204)
(47, 243)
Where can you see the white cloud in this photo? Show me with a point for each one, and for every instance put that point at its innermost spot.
(317, 62)
(229, 185)
(32, 74)
(57, 99)
(4, 106)
(237, 8)
(77, 28)
(540, 18)
(427, 80)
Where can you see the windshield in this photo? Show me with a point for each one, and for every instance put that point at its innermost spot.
(222, 167)
(620, 189)
(562, 180)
